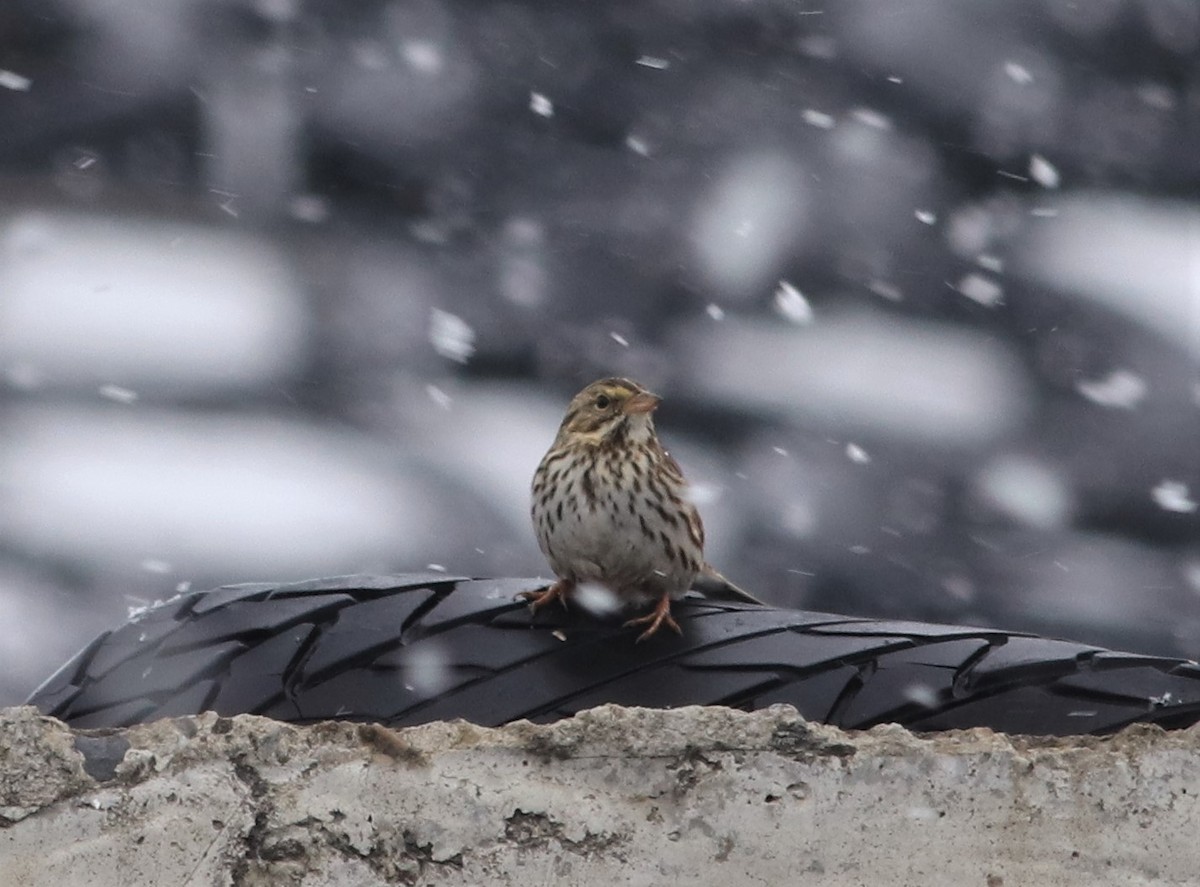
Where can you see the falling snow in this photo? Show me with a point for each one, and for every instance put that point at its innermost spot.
(791, 305)
(857, 454)
(1172, 495)
(596, 599)
(872, 118)
(118, 394)
(1018, 73)
(452, 337)
(819, 119)
(701, 493)
(921, 694)
(1120, 389)
(1158, 96)
(438, 396)
(426, 669)
(716, 312)
(541, 105)
(619, 339)
(886, 290)
(1025, 490)
(637, 145)
(14, 81)
(926, 216)
(653, 61)
(981, 289)
(423, 56)
(1043, 171)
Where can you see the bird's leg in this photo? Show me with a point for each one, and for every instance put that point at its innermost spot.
(559, 590)
(659, 616)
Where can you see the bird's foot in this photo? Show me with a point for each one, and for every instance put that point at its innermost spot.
(657, 618)
(538, 599)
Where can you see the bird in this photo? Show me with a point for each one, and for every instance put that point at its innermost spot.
(610, 507)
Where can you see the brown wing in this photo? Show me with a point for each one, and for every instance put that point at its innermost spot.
(690, 513)
(673, 468)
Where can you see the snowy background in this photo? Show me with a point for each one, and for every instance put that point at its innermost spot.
(292, 288)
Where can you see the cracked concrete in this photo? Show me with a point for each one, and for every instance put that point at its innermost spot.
(637, 796)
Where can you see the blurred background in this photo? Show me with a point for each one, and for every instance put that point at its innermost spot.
(292, 288)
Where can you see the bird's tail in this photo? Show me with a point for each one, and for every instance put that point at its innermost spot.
(713, 585)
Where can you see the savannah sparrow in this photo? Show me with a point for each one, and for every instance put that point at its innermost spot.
(611, 507)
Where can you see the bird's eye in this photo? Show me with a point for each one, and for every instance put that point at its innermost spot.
(603, 402)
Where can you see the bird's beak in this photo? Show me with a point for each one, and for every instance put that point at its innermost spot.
(645, 402)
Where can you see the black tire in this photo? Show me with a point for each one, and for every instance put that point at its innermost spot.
(403, 650)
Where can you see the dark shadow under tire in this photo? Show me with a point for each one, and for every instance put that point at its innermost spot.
(403, 650)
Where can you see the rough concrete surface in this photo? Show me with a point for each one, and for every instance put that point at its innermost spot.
(613, 795)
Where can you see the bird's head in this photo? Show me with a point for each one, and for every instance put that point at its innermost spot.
(610, 410)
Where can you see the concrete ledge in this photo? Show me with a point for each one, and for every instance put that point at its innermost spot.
(636, 796)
